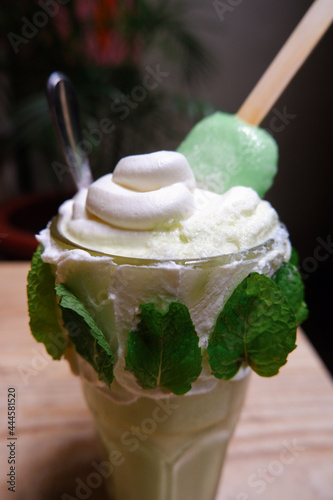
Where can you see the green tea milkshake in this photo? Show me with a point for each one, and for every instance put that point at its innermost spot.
(165, 295)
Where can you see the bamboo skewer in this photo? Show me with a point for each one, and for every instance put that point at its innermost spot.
(287, 62)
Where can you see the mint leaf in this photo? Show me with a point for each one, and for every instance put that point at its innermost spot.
(294, 258)
(164, 351)
(89, 340)
(256, 326)
(43, 308)
(289, 280)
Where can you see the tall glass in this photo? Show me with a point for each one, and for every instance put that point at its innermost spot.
(160, 446)
(168, 448)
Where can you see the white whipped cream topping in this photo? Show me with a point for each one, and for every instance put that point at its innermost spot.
(153, 171)
(163, 219)
(144, 192)
(230, 226)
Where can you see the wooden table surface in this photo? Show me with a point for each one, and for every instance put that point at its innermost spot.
(282, 447)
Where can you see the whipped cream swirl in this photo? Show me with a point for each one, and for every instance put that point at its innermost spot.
(144, 192)
(151, 208)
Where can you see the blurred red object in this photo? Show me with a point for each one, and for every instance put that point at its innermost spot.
(106, 35)
(22, 218)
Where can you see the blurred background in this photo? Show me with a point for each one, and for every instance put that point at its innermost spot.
(203, 56)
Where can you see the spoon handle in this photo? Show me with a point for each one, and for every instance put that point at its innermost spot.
(65, 115)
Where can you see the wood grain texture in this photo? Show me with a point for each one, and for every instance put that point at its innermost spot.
(282, 447)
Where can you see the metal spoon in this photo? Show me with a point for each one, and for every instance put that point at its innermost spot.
(65, 115)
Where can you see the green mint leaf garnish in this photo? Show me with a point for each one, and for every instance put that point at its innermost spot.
(89, 340)
(164, 351)
(256, 326)
(291, 284)
(43, 309)
(294, 258)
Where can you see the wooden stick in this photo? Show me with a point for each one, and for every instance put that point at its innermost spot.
(287, 62)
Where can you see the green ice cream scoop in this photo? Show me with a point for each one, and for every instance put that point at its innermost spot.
(224, 151)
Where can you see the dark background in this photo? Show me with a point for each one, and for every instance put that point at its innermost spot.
(243, 44)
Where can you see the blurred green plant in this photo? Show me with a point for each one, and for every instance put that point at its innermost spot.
(124, 58)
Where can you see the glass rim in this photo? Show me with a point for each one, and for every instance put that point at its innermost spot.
(223, 259)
